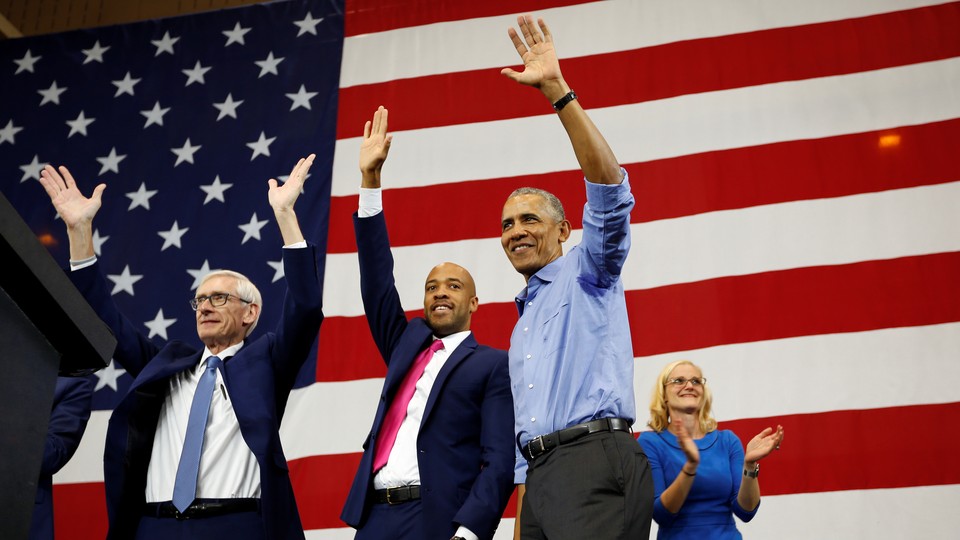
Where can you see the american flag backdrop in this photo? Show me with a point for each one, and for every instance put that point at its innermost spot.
(797, 229)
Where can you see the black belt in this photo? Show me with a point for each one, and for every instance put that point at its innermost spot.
(545, 443)
(201, 508)
(396, 495)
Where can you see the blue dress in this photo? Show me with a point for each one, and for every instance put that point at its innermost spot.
(709, 509)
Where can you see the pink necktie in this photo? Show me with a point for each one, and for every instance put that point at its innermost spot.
(398, 409)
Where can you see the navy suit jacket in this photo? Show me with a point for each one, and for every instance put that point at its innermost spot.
(68, 420)
(259, 378)
(465, 445)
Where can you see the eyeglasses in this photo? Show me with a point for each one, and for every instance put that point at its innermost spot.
(680, 381)
(216, 300)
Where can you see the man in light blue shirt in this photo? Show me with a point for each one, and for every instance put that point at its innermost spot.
(582, 474)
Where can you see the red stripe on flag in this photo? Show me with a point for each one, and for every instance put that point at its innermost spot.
(851, 449)
(79, 511)
(674, 69)
(368, 16)
(910, 291)
(687, 185)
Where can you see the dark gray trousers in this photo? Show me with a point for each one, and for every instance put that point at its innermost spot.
(596, 488)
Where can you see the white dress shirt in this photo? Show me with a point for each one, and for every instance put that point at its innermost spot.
(228, 469)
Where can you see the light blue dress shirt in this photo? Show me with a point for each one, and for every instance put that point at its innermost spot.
(571, 358)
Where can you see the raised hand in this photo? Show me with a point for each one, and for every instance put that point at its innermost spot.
(283, 197)
(765, 442)
(374, 148)
(74, 208)
(541, 68)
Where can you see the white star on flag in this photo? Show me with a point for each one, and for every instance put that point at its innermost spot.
(277, 270)
(235, 35)
(79, 125)
(158, 326)
(124, 281)
(140, 197)
(95, 53)
(108, 376)
(261, 147)
(196, 74)
(125, 85)
(185, 152)
(26, 63)
(227, 107)
(252, 229)
(164, 44)
(307, 25)
(52, 94)
(301, 98)
(8, 132)
(32, 169)
(215, 190)
(154, 115)
(111, 162)
(172, 237)
(268, 65)
(98, 241)
(198, 273)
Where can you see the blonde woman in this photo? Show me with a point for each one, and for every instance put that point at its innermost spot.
(702, 477)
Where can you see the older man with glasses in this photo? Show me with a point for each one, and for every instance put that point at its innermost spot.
(193, 450)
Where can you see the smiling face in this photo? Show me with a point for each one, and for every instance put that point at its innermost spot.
(530, 236)
(449, 299)
(685, 398)
(220, 327)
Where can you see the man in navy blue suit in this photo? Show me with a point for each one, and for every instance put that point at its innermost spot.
(242, 488)
(445, 470)
(68, 420)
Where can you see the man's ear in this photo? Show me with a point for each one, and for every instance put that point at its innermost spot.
(564, 231)
(252, 313)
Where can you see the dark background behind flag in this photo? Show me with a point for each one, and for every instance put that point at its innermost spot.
(796, 228)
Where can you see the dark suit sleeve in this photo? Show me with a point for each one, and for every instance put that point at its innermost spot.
(133, 350)
(381, 302)
(302, 312)
(68, 420)
(491, 491)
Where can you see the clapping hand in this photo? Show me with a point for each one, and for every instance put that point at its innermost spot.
(765, 442)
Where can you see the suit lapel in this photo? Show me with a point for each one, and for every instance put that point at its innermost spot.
(459, 355)
(156, 371)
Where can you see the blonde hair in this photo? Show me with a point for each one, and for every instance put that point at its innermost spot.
(660, 415)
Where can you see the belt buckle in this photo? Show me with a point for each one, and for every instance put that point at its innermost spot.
(389, 500)
(543, 447)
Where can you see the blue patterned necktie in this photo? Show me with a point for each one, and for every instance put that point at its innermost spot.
(185, 488)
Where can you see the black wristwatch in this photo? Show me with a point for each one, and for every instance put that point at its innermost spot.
(754, 473)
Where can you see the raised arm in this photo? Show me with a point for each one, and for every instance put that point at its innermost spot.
(541, 70)
(282, 199)
(76, 210)
(381, 301)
